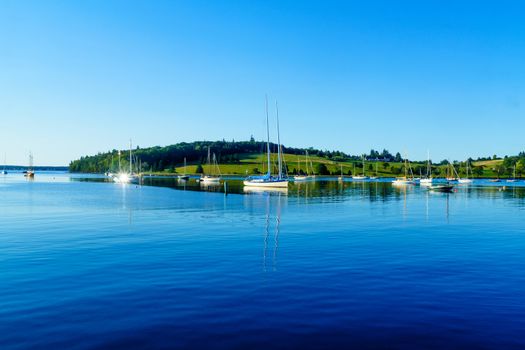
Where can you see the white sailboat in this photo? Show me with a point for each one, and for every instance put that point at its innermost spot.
(514, 179)
(405, 180)
(184, 177)
(309, 174)
(466, 180)
(341, 177)
(428, 179)
(268, 180)
(214, 175)
(127, 177)
(363, 176)
(377, 172)
(452, 174)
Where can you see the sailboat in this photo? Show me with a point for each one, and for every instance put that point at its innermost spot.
(184, 177)
(405, 180)
(452, 174)
(514, 176)
(466, 180)
(377, 172)
(214, 172)
(427, 180)
(341, 178)
(361, 177)
(268, 180)
(4, 172)
(128, 177)
(309, 167)
(30, 172)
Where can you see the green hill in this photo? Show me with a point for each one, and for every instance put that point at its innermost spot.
(248, 158)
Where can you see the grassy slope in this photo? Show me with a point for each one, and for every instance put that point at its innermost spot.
(250, 161)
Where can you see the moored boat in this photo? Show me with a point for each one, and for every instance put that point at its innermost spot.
(441, 188)
(183, 177)
(268, 180)
(362, 176)
(214, 172)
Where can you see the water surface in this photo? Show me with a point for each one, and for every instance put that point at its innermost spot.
(88, 264)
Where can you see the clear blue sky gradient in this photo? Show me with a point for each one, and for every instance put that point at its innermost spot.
(79, 77)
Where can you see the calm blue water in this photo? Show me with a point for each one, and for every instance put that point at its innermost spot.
(86, 264)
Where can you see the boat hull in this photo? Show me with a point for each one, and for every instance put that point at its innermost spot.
(266, 184)
(303, 178)
(441, 188)
(465, 181)
(403, 182)
(211, 180)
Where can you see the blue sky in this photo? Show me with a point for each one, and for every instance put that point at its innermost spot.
(79, 77)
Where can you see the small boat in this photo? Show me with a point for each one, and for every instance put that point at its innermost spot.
(183, 177)
(514, 176)
(214, 175)
(441, 188)
(341, 177)
(310, 174)
(376, 176)
(405, 180)
(130, 177)
(494, 180)
(362, 176)
(427, 180)
(30, 172)
(466, 180)
(402, 181)
(268, 180)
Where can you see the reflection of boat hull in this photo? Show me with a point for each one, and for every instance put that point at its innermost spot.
(266, 183)
(270, 190)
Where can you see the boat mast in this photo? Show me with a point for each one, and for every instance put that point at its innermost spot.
(209, 161)
(279, 143)
(429, 171)
(130, 159)
(268, 137)
(31, 161)
(184, 165)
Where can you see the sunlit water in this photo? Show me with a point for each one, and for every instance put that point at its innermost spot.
(86, 263)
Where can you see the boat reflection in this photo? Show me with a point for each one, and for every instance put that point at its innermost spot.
(268, 190)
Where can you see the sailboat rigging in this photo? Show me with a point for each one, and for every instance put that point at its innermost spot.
(269, 180)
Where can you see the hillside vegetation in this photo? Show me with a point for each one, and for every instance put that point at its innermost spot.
(248, 158)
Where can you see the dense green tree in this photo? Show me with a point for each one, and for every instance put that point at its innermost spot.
(322, 169)
(199, 169)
